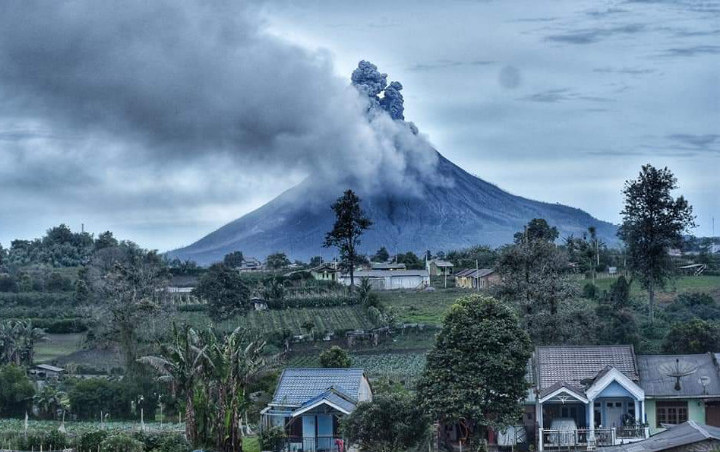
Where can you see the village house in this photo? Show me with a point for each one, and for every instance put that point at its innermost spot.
(679, 388)
(390, 279)
(325, 272)
(482, 278)
(439, 267)
(250, 265)
(46, 372)
(309, 403)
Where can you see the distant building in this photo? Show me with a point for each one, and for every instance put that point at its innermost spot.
(390, 266)
(182, 284)
(46, 372)
(439, 267)
(325, 272)
(259, 304)
(390, 279)
(251, 264)
(482, 278)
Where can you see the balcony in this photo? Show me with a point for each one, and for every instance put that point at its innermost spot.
(584, 438)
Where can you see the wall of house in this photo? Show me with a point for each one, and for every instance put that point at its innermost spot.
(364, 392)
(696, 412)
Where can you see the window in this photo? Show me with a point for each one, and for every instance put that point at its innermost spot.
(671, 413)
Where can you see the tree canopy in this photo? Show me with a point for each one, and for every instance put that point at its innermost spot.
(653, 222)
(475, 374)
(335, 357)
(225, 291)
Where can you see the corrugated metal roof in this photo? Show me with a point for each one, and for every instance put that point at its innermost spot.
(297, 386)
(384, 273)
(702, 375)
(575, 364)
(681, 435)
(472, 273)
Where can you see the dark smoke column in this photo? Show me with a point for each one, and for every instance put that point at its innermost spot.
(371, 82)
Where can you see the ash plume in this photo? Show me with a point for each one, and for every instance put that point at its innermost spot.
(169, 84)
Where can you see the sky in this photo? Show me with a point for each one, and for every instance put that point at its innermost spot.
(162, 121)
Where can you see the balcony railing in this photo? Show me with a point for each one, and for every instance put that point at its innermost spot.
(316, 444)
(599, 437)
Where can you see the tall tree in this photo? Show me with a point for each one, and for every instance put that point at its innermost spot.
(233, 259)
(475, 374)
(653, 222)
(277, 261)
(225, 291)
(381, 255)
(335, 357)
(350, 223)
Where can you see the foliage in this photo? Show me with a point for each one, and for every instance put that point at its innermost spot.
(586, 252)
(16, 391)
(381, 255)
(653, 222)
(335, 357)
(411, 261)
(475, 374)
(17, 342)
(390, 423)
(693, 305)
(535, 275)
(121, 442)
(92, 440)
(50, 440)
(277, 261)
(695, 336)
(273, 439)
(274, 293)
(225, 292)
(49, 400)
(617, 323)
(233, 259)
(350, 223)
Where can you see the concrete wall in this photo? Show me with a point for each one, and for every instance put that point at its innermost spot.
(696, 412)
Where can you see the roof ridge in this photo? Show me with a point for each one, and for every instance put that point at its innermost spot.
(697, 427)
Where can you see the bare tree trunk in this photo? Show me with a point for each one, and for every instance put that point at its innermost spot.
(651, 301)
(190, 432)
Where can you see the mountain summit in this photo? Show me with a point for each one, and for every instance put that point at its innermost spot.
(416, 198)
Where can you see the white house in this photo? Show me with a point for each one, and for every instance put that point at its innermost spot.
(390, 279)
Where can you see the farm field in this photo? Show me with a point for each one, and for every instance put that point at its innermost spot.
(273, 321)
(57, 345)
(422, 307)
(402, 367)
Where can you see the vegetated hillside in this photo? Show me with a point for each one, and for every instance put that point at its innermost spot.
(467, 211)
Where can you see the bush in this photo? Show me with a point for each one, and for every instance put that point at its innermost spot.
(91, 441)
(173, 443)
(272, 439)
(121, 443)
(16, 391)
(335, 357)
(52, 440)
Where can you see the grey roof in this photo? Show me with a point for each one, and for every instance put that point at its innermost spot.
(334, 396)
(680, 435)
(297, 386)
(576, 364)
(656, 382)
(388, 265)
(577, 390)
(473, 273)
(49, 367)
(442, 263)
(384, 273)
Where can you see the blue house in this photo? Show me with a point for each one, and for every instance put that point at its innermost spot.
(308, 403)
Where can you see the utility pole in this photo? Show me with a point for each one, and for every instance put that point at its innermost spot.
(477, 279)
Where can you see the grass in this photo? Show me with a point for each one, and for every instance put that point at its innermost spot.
(251, 444)
(58, 345)
(422, 307)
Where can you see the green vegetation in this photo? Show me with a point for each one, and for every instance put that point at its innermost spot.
(57, 345)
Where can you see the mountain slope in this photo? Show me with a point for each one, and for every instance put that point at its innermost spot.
(468, 212)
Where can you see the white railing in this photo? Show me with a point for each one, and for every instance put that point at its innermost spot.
(599, 437)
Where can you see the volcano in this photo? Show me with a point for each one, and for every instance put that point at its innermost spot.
(466, 211)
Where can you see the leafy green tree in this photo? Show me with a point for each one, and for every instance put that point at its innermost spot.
(475, 374)
(273, 439)
(234, 259)
(105, 240)
(653, 222)
(693, 305)
(381, 255)
(350, 223)
(225, 291)
(617, 324)
(16, 391)
(277, 261)
(411, 260)
(274, 293)
(315, 261)
(335, 357)
(535, 275)
(390, 423)
(484, 256)
(17, 342)
(695, 336)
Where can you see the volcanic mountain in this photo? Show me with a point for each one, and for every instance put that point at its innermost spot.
(463, 212)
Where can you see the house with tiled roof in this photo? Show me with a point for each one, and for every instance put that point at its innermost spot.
(308, 404)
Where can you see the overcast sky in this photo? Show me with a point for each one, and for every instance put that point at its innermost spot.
(162, 123)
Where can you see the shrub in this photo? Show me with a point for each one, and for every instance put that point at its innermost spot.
(121, 443)
(52, 440)
(91, 441)
(173, 442)
(272, 439)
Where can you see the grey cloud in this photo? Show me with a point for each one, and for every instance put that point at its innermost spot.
(624, 70)
(692, 51)
(509, 77)
(706, 142)
(560, 95)
(592, 35)
(443, 64)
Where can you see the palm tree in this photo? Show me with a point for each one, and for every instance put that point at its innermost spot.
(181, 363)
(17, 342)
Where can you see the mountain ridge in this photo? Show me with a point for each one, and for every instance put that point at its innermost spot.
(465, 212)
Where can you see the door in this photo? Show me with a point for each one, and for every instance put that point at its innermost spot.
(614, 413)
(308, 427)
(712, 414)
(325, 440)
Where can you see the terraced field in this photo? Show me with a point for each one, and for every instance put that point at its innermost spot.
(271, 321)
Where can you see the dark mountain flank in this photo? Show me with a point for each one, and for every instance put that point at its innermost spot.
(465, 211)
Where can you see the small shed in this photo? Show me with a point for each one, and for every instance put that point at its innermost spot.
(439, 267)
(259, 304)
(47, 372)
(482, 278)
